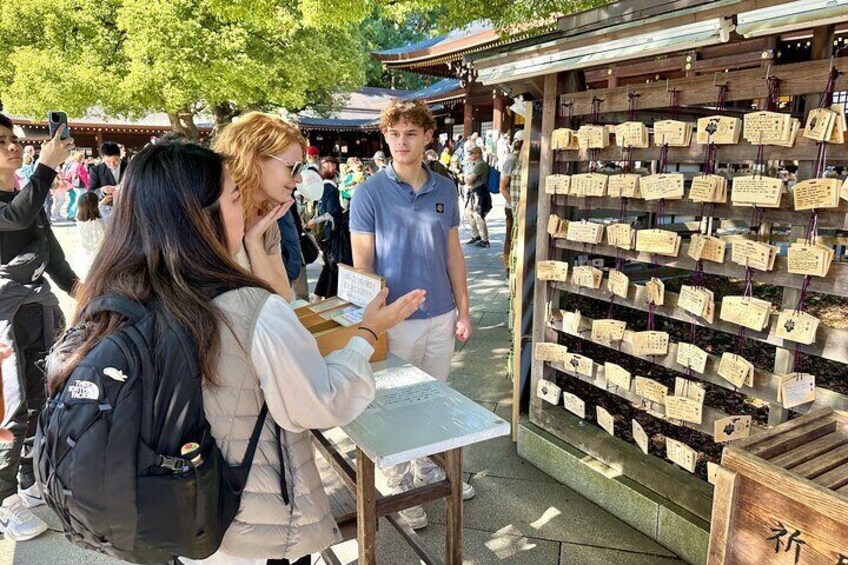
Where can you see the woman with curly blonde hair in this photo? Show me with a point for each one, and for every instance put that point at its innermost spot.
(264, 156)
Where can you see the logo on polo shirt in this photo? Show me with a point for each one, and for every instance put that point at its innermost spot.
(440, 208)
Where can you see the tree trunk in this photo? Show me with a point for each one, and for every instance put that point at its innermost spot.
(183, 122)
(223, 114)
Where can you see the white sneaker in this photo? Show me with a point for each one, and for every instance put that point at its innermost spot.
(31, 496)
(17, 522)
(468, 491)
(415, 517)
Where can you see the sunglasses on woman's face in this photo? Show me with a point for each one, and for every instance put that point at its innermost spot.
(296, 166)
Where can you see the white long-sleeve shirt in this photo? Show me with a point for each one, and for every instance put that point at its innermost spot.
(304, 390)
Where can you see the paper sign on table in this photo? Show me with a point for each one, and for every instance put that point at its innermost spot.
(605, 420)
(557, 184)
(552, 271)
(650, 343)
(639, 436)
(593, 137)
(752, 313)
(608, 330)
(812, 260)
(682, 454)
(814, 194)
(682, 408)
(616, 375)
(624, 186)
(795, 389)
(736, 370)
(757, 190)
(673, 133)
(661, 242)
(796, 326)
(706, 248)
(748, 253)
(622, 236)
(552, 352)
(651, 390)
(574, 404)
(579, 364)
(667, 186)
(731, 428)
(571, 321)
(655, 290)
(618, 283)
(588, 184)
(585, 232)
(631, 134)
(692, 357)
(719, 130)
(587, 276)
(548, 391)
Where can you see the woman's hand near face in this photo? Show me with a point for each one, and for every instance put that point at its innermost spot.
(258, 225)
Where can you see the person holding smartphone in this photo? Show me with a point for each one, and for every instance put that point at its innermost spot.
(106, 177)
(30, 318)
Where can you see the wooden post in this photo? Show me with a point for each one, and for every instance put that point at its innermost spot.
(366, 509)
(467, 120)
(453, 508)
(498, 110)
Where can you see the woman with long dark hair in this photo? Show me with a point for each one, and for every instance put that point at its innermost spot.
(176, 226)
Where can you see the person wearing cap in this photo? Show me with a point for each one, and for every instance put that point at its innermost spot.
(478, 201)
(312, 156)
(404, 224)
(379, 161)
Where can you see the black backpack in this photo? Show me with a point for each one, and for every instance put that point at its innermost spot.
(108, 445)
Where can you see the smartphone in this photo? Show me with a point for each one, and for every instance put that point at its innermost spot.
(56, 119)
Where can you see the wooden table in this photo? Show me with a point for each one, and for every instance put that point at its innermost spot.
(412, 416)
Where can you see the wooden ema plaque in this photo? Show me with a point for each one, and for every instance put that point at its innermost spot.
(708, 188)
(607, 330)
(605, 420)
(574, 404)
(588, 184)
(812, 260)
(631, 134)
(563, 139)
(736, 370)
(814, 194)
(552, 271)
(719, 130)
(732, 428)
(557, 184)
(334, 321)
(759, 256)
(698, 301)
(639, 436)
(756, 190)
(796, 326)
(618, 283)
(593, 137)
(839, 128)
(579, 364)
(706, 248)
(651, 390)
(767, 128)
(661, 242)
(692, 357)
(650, 343)
(784, 489)
(622, 236)
(746, 311)
(548, 391)
(681, 454)
(585, 232)
(624, 186)
(655, 291)
(617, 376)
(820, 124)
(587, 276)
(684, 409)
(673, 133)
(795, 389)
(551, 352)
(668, 186)
(557, 227)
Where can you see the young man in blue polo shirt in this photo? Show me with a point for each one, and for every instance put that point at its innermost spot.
(404, 224)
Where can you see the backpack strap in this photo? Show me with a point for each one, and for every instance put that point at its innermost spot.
(130, 309)
(254, 437)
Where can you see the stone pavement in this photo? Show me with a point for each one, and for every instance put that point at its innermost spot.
(520, 515)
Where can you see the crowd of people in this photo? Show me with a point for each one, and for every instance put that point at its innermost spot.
(214, 242)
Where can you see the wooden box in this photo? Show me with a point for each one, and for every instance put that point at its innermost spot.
(333, 321)
(782, 496)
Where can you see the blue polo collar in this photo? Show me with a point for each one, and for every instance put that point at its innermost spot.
(429, 184)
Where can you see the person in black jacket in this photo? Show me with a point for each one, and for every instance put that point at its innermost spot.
(105, 177)
(30, 318)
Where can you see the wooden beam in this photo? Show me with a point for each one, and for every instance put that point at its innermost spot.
(453, 508)
(366, 509)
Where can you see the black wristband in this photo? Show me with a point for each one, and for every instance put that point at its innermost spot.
(369, 330)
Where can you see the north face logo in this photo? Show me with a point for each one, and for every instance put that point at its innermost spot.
(440, 208)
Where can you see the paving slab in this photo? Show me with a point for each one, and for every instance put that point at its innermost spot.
(571, 554)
